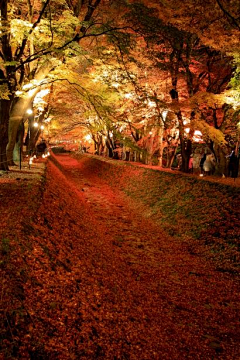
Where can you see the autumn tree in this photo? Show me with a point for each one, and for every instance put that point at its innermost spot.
(192, 67)
(37, 38)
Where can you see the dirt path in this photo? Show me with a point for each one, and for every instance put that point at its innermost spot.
(145, 296)
(93, 278)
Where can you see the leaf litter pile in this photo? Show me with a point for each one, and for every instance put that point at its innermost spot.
(91, 270)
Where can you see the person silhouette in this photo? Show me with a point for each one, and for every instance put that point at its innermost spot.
(233, 165)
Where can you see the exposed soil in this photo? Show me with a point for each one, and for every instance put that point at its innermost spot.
(87, 275)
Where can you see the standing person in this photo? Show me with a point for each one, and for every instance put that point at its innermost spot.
(209, 164)
(179, 161)
(196, 163)
(190, 164)
(233, 165)
(202, 161)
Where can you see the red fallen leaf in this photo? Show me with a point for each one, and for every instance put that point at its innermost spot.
(126, 301)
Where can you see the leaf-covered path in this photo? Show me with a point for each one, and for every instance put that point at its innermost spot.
(105, 282)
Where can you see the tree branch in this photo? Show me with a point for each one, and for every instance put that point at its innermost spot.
(22, 48)
(76, 38)
(230, 18)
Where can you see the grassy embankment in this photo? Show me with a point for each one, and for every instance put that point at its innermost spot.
(186, 207)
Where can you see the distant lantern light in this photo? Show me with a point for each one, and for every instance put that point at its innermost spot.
(150, 132)
(197, 133)
(29, 111)
(88, 137)
(35, 124)
(42, 127)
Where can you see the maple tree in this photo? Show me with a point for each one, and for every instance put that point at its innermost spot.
(216, 22)
(198, 77)
(192, 67)
(162, 65)
(81, 270)
(37, 40)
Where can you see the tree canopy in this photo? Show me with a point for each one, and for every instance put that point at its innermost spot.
(146, 76)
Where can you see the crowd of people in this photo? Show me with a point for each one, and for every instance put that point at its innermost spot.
(205, 163)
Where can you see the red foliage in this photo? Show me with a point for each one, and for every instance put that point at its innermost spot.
(87, 276)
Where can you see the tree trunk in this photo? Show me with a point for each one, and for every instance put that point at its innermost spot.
(186, 150)
(171, 152)
(186, 145)
(4, 120)
(14, 123)
(161, 145)
(19, 143)
(101, 148)
(32, 137)
(221, 166)
(18, 113)
(149, 159)
(19, 109)
(144, 157)
(138, 156)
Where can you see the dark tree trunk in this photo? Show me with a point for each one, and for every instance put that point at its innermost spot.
(7, 79)
(171, 152)
(110, 152)
(19, 143)
(221, 156)
(4, 120)
(186, 150)
(13, 127)
(98, 144)
(111, 146)
(138, 156)
(186, 145)
(34, 134)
